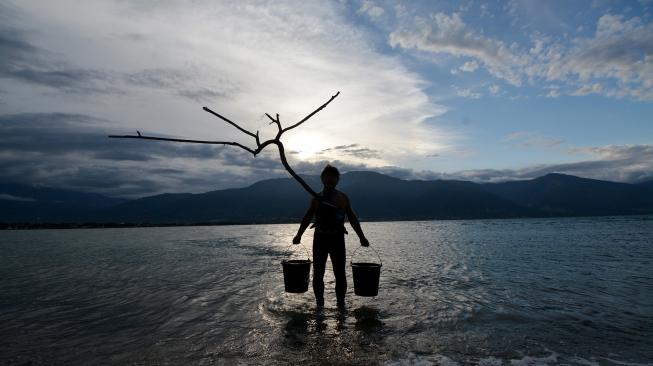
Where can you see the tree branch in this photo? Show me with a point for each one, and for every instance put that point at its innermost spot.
(282, 157)
(278, 123)
(262, 146)
(312, 113)
(139, 136)
(229, 122)
(259, 146)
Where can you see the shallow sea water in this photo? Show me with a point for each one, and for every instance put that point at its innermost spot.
(575, 291)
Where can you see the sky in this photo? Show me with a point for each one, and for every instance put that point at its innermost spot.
(475, 90)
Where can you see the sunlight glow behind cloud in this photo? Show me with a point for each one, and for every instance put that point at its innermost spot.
(243, 59)
(424, 90)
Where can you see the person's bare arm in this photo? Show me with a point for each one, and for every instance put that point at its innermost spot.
(355, 224)
(305, 221)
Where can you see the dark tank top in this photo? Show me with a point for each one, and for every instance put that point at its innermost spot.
(329, 218)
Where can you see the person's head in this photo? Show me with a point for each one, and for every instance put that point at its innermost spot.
(330, 176)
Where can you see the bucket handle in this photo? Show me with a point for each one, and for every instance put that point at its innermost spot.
(375, 251)
(287, 249)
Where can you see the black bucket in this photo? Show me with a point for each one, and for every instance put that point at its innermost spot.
(366, 278)
(296, 274)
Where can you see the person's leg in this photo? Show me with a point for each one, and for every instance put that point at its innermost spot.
(338, 261)
(320, 253)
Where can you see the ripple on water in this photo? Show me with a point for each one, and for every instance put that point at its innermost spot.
(487, 292)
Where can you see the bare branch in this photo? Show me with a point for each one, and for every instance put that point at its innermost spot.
(282, 157)
(278, 123)
(229, 122)
(271, 119)
(139, 136)
(259, 146)
(312, 113)
(263, 146)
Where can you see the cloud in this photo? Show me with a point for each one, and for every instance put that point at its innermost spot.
(618, 163)
(21, 60)
(527, 139)
(617, 61)
(191, 83)
(595, 88)
(469, 66)
(468, 93)
(619, 152)
(127, 66)
(370, 8)
(553, 93)
(443, 33)
(67, 80)
(621, 51)
(352, 150)
(72, 151)
(9, 197)
(493, 89)
(277, 57)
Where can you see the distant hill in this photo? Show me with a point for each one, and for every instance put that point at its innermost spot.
(374, 196)
(646, 184)
(23, 203)
(560, 194)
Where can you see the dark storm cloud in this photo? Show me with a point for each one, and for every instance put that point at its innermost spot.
(15, 51)
(59, 133)
(73, 151)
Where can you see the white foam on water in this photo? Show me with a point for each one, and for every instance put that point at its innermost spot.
(490, 361)
(416, 360)
(581, 361)
(411, 360)
(628, 363)
(445, 361)
(551, 359)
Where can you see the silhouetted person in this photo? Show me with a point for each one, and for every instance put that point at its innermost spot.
(329, 237)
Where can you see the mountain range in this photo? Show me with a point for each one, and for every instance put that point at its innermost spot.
(374, 197)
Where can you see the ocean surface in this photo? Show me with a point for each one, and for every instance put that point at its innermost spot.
(575, 291)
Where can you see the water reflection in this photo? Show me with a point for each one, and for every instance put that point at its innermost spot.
(495, 292)
(367, 319)
(296, 329)
(333, 335)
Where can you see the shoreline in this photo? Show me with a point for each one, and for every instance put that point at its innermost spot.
(111, 225)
